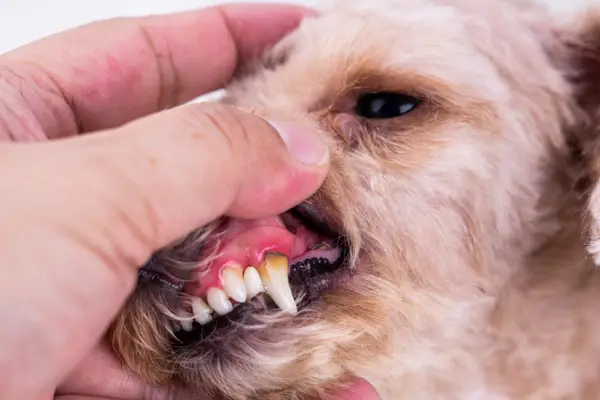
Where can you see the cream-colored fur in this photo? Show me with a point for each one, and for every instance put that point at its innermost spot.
(468, 219)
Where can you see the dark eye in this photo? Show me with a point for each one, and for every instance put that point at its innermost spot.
(385, 105)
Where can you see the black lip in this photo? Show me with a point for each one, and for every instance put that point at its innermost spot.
(148, 275)
(155, 273)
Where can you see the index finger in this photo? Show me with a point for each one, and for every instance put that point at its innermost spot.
(107, 73)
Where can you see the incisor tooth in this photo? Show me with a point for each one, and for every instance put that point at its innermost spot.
(186, 322)
(201, 310)
(233, 283)
(275, 276)
(253, 283)
(219, 301)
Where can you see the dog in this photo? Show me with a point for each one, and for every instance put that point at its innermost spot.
(451, 252)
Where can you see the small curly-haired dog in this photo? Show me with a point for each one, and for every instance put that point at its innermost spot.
(450, 253)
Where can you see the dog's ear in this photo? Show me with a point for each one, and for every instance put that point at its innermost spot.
(580, 59)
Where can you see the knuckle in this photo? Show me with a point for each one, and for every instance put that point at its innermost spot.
(28, 91)
(166, 71)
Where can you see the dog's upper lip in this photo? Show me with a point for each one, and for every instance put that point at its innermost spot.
(149, 274)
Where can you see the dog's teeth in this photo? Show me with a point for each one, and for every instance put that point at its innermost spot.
(275, 276)
(202, 312)
(219, 301)
(233, 283)
(253, 283)
(186, 324)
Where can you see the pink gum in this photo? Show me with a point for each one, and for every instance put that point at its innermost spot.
(247, 249)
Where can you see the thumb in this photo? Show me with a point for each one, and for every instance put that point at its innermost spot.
(160, 177)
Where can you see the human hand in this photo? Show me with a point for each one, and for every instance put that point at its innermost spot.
(80, 214)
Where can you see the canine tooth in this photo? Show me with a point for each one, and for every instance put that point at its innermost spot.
(275, 276)
(219, 301)
(202, 312)
(233, 283)
(253, 283)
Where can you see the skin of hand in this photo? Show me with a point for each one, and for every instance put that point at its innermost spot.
(99, 168)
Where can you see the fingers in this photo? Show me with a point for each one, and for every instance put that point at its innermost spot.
(101, 376)
(104, 74)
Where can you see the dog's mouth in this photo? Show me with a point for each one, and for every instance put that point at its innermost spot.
(273, 266)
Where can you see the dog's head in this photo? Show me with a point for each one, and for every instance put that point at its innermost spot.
(446, 121)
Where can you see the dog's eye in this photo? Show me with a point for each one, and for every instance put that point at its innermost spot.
(385, 105)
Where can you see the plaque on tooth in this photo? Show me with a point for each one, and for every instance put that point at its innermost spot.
(274, 274)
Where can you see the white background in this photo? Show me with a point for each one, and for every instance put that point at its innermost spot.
(22, 21)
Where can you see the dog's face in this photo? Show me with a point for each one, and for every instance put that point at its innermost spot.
(445, 121)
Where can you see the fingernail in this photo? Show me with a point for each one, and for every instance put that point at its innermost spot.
(306, 146)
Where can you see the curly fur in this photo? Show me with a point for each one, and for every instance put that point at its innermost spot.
(469, 220)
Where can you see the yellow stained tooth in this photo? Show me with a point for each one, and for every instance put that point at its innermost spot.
(274, 272)
(253, 283)
(233, 283)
